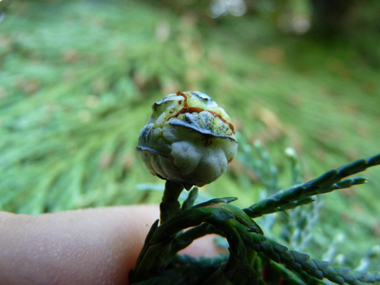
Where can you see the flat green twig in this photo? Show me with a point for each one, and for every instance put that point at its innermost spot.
(298, 195)
(301, 263)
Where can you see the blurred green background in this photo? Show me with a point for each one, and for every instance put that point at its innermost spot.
(77, 79)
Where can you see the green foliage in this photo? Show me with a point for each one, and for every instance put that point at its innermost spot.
(250, 251)
(77, 79)
(301, 194)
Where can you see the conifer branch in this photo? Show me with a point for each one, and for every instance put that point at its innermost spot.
(300, 262)
(296, 195)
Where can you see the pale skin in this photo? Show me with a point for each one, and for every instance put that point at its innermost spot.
(90, 246)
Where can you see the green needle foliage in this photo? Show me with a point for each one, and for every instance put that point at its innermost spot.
(77, 79)
(252, 256)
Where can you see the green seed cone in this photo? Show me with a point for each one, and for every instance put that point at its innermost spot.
(188, 139)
